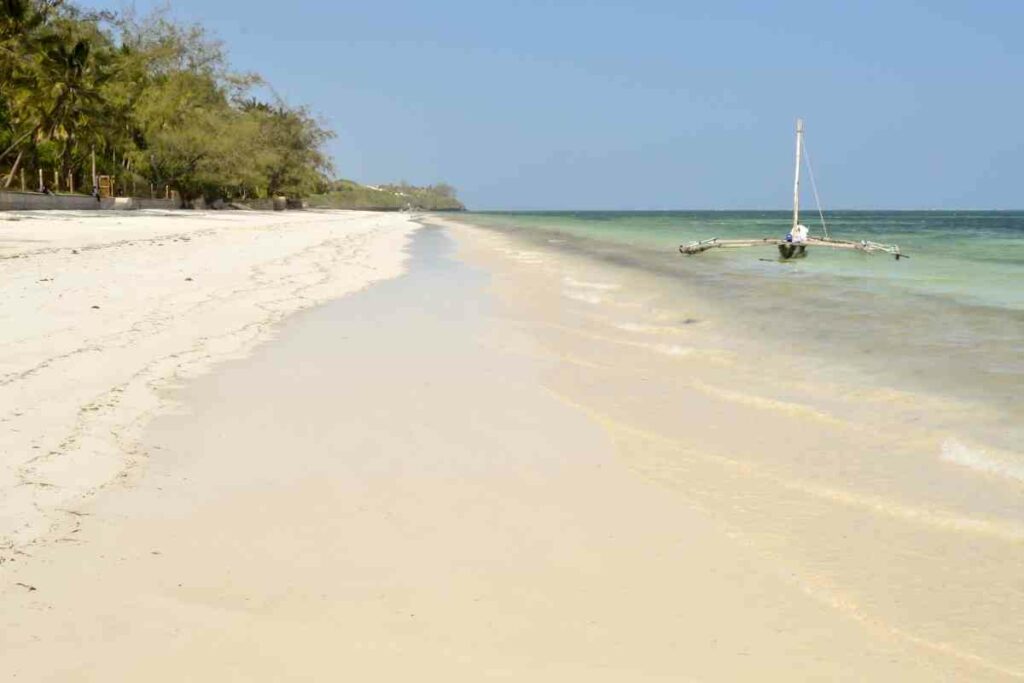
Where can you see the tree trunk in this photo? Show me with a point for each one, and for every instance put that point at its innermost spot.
(14, 169)
(17, 143)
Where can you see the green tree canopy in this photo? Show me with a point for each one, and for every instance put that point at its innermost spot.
(156, 101)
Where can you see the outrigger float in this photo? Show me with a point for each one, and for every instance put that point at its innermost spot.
(788, 250)
(795, 244)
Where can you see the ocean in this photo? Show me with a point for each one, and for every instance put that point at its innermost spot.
(945, 324)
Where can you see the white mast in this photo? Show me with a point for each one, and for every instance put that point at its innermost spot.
(796, 173)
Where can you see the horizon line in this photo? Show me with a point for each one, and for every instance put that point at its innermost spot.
(766, 210)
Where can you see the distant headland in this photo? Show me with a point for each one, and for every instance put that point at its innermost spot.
(348, 194)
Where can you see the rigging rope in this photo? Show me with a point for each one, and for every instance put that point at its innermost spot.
(810, 173)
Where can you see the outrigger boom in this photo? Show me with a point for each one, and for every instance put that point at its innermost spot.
(796, 243)
(863, 245)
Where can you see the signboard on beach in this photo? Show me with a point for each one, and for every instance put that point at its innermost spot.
(106, 184)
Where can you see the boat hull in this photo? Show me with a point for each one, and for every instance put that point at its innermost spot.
(788, 250)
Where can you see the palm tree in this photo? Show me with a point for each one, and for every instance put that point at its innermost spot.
(74, 81)
(19, 20)
(64, 94)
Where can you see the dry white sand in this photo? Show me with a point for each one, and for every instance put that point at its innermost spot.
(100, 311)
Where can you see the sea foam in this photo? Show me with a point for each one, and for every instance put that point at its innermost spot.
(976, 459)
(583, 284)
(670, 349)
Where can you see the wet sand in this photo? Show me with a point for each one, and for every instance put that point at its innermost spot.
(421, 481)
(852, 487)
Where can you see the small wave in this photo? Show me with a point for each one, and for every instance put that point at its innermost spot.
(636, 327)
(764, 403)
(583, 284)
(957, 453)
(585, 297)
(670, 349)
(647, 329)
(523, 256)
(587, 292)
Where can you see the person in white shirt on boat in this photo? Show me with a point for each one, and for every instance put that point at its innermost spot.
(798, 235)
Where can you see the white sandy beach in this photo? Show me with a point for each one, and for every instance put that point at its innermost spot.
(464, 472)
(100, 312)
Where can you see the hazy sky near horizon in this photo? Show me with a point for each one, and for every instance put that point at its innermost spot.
(648, 104)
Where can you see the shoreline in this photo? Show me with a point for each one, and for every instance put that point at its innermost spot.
(347, 502)
(855, 487)
(510, 463)
(857, 321)
(112, 309)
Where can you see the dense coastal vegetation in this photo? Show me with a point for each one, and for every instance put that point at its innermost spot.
(346, 194)
(156, 102)
(156, 105)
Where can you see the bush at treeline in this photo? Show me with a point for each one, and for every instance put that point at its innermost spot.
(155, 101)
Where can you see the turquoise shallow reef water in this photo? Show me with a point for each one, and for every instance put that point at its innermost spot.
(969, 257)
(948, 321)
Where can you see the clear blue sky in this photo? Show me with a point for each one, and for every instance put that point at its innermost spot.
(652, 105)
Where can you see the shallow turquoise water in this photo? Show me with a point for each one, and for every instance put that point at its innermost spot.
(973, 257)
(949, 320)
